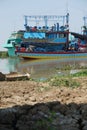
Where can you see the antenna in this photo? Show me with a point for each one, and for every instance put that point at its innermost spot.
(67, 16)
(67, 9)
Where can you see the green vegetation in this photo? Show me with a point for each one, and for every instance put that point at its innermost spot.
(64, 81)
(81, 73)
(3, 54)
(68, 80)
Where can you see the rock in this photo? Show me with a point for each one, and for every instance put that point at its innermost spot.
(7, 116)
(85, 127)
(6, 127)
(84, 111)
(33, 99)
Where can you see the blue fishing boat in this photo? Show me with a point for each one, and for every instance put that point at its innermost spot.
(48, 39)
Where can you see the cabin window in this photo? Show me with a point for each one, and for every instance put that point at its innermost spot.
(51, 36)
(62, 35)
(47, 35)
(55, 35)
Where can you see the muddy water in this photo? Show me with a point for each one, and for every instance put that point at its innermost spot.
(39, 69)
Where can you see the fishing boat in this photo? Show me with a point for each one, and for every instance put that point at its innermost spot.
(40, 35)
(52, 43)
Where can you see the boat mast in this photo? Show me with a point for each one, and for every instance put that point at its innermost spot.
(26, 22)
(85, 26)
(67, 20)
(85, 21)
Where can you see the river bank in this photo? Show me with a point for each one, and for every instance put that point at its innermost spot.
(34, 105)
(3, 54)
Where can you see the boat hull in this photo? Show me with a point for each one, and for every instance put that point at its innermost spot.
(60, 55)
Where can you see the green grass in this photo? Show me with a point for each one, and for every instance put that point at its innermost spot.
(67, 80)
(81, 73)
(64, 81)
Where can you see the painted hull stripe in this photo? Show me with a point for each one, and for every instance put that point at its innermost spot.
(33, 55)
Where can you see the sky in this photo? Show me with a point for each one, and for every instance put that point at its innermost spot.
(12, 13)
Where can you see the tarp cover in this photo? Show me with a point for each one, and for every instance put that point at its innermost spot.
(34, 35)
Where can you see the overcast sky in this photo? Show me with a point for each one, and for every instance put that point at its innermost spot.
(12, 12)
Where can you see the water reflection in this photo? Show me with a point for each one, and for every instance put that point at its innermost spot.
(38, 69)
(9, 65)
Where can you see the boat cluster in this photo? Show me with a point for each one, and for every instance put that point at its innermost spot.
(49, 41)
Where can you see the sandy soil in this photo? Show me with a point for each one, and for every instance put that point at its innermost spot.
(24, 105)
(23, 92)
